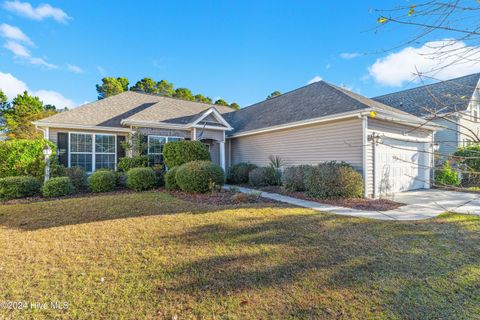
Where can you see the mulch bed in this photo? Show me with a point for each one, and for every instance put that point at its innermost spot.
(75, 195)
(223, 197)
(354, 203)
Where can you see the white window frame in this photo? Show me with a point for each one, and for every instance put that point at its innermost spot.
(93, 153)
(158, 136)
(103, 153)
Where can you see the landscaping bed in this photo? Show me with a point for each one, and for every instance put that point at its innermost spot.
(224, 197)
(354, 203)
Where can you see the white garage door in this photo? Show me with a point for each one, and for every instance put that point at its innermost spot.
(401, 166)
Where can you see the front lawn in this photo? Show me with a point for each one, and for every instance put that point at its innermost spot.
(150, 255)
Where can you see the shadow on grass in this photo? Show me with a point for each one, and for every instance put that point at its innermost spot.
(79, 210)
(426, 270)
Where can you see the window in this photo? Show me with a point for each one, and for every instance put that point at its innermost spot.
(155, 148)
(93, 152)
(105, 151)
(81, 153)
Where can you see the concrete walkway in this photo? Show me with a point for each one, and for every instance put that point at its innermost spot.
(422, 204)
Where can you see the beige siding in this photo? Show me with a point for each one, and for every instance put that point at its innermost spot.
(338, 140)
(54, 131)
(210, 134)
(165, 132)
(447, 138)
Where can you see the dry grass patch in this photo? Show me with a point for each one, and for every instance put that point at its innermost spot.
(150, 255)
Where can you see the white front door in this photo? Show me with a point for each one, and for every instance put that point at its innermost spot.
(401, 166)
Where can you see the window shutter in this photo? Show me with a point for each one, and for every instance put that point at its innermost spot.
(145, 141)
(120, 148)
(62, 148)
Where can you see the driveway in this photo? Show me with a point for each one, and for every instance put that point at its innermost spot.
(430, 203)
(420, 204)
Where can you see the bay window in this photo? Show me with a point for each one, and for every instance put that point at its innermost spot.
(93, 151)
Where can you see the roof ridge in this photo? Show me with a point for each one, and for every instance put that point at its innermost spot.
(429, 85)
(282, 94)
(174, 98)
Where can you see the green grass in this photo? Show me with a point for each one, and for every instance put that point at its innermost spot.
(160, 257)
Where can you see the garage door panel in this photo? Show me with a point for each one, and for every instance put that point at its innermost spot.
(400, 166)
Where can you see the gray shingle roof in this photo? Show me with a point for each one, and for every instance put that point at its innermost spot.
(319, 99)
(109, 112)
(443, 97)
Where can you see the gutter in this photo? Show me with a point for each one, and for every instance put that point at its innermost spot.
(78, 126)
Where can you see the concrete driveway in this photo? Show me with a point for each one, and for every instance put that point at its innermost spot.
(421, 204)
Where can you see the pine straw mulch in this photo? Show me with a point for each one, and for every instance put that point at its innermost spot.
(354, 203)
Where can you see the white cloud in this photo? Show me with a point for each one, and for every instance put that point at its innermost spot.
(17, 49)
(13, 33)
(314, 79)
(74, 68)
(399, 67)
(12, 86)
(55, 98)
(20, 51)
(350, 55)
(39, 13)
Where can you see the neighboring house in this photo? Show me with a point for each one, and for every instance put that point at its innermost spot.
(452, 104)
(316, 123)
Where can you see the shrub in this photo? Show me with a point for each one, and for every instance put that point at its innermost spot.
(470, 163)
(238, 173)
(140, 179)
(57, 187)
(331, 180)
(276, 162)
(159, 172)
(121, 179)
(127, 163)
(264, 176)
(446, 176)
(176, 153)
(102, 181)
(19, 187)
(199, 176)
(171, 180)
(78, 178)
(294, 177)
(23, 157)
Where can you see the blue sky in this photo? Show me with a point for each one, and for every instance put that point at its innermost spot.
(237, 50)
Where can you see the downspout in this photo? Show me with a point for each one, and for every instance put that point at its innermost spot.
(364, 155)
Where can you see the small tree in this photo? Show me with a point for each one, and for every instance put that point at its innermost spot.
(136, 146)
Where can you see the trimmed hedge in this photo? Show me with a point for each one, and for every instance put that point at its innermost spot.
(262, 177)
(102, 181)
(19, 187)
(199, 176)
(238, 173)
(176, 153)
(293, 178)
(171, 180)
(140, 179)
(332, 180)
(127, 163)
(23, 158)
(57, 187)
(78, 178)
(159, 172)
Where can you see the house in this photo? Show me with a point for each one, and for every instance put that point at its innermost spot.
(316, 123)
(453, 105)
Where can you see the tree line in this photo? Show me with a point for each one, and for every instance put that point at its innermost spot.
(111, 86)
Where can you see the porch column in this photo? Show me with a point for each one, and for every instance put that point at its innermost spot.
(222, 155)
